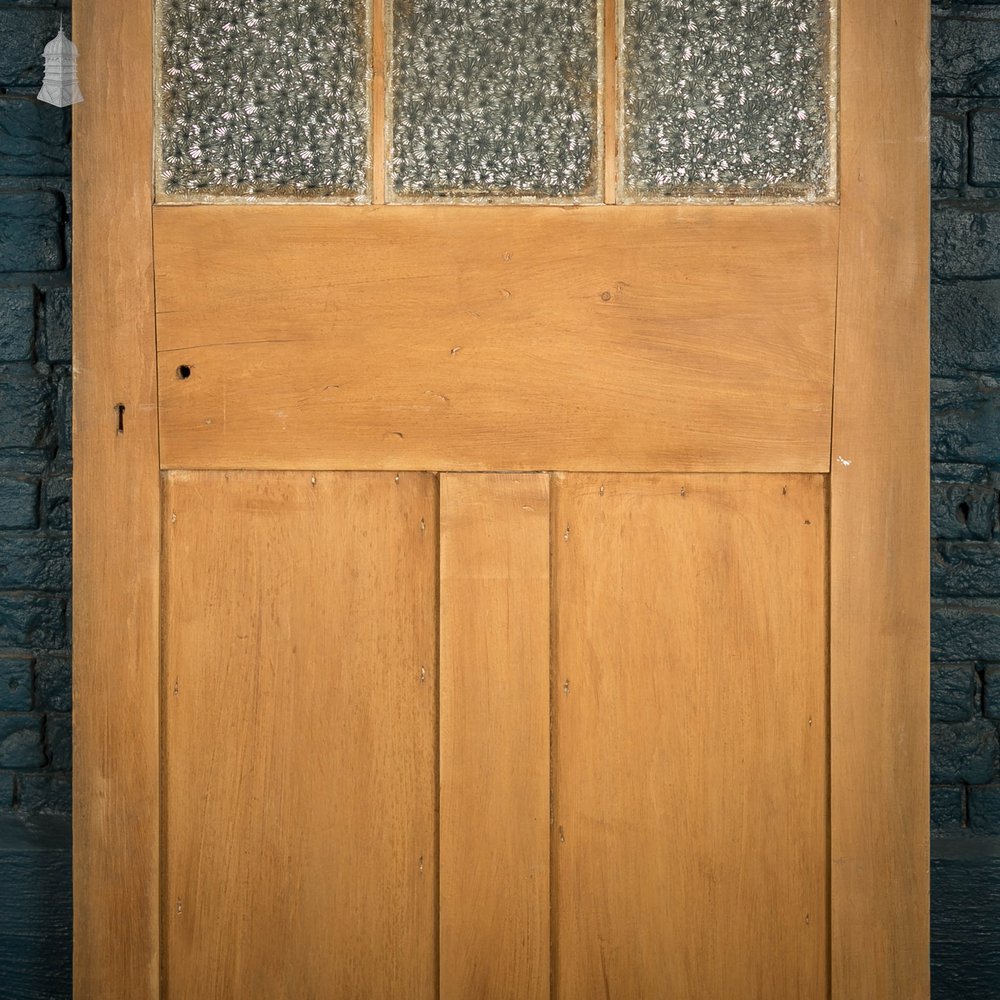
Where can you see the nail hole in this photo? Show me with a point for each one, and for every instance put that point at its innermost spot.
(183, 371)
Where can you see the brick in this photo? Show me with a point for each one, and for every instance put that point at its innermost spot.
(58, 503)
(965, 751)
(965, 318)
(991, 692)
(965, 420)
(984, 809)
(25, 408)
(59, 741)
(17, 323)
(15, 684)
(34, 562)
(6, 791)
(34, 138)
(965, 55)
(959, 472)
(63, 415)
(965, 633)
(965, 243)
(953, 692)
(958, 569)
(58, 324)
(18, 503)
(44, 794)
(31, 231)
(23, 34)
(984, 148)
(21, 461)
(961, 512)
(947, 808)
(35, 622)
(53, 683)
(947, 151)
(21, 741)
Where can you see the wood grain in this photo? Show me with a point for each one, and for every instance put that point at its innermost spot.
(116, 519)
(300, 718)
(879, 512)
(691, 761)
(456, 338)
(494, 676)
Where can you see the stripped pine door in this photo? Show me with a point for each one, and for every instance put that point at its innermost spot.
(504, 605)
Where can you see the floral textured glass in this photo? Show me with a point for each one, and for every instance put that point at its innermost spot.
(495, 99)
(264, 98)
(726, 98)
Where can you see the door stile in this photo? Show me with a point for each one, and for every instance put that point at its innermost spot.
(115, 513)
(879, 641)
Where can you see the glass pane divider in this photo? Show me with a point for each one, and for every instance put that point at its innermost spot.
(609, 39)
(379, 50)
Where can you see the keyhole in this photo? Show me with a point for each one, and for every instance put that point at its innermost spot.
(183, 371)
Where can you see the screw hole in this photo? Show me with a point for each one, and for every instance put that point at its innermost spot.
(183, 371)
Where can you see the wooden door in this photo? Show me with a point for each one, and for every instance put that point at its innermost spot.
(483, 593)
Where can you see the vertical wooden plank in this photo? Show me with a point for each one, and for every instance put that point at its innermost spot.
(879, 634)
(379, 15)
(494, 764)
(691, 759)
(115, 512)
(610, 90)
(300, 726)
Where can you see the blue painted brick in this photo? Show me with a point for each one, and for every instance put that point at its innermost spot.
(34, 622)
(31, 231)
(63, 416)
(21, 741)
(58, 324)
(34, 562)
(15, 684)
(23, 34)
(965, 317)
(34, 138)
(960, 632)
(953, 692)
(947, 151)
(18, 503)
(961, 512)
(947, 808)
(958, 569)
(965, 52)
(964, 751)
(965, 420)
(991, 692)
(58, 741)
(984, 809)
(58, 503)
(53, 683)
(959, 472)
(44, 793)
(965, 243)
(25, 408)
(17, 323)
(984, 157)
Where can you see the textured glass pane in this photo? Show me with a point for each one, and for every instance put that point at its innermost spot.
(264, 97)
(495, 98)
(726, 97)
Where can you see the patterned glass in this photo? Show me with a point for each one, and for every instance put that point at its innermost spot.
(264, 98)
(494, 98)
(726, 98)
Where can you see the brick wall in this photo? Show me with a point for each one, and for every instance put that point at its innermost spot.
(35, 517)
(34, 514)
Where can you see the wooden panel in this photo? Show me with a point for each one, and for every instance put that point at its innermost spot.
(300, 718)
(116, 518)
(450, 338)
(880, 593)
(494, 737)
(691, 757)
